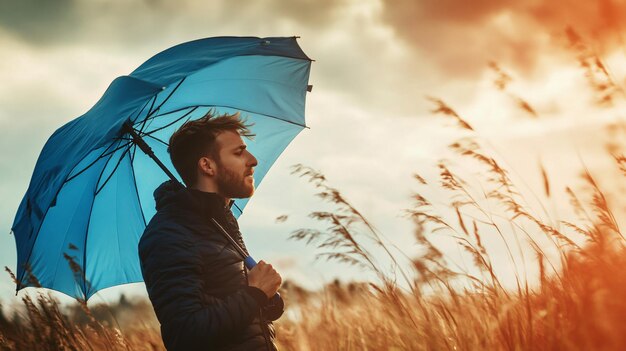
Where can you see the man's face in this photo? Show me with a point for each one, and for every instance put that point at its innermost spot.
(234, 167)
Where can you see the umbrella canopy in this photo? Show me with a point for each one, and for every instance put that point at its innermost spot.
(91, 193)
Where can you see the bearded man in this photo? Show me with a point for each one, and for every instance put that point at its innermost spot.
(203, 296)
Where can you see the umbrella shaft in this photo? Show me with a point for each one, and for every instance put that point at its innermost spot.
(230, 238)
(138, 140)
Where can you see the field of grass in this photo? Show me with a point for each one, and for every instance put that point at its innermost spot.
(425, 301)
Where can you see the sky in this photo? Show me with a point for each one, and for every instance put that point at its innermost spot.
(371, 125)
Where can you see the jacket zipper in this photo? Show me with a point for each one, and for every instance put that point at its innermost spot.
(265, 336)
(239, 239)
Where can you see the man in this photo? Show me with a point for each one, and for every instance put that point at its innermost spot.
(202, 294)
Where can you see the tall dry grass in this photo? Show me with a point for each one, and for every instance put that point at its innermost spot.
(424, 300)
(41, 322)
(577, 301)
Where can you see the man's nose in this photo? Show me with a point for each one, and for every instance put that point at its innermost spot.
(253, 161)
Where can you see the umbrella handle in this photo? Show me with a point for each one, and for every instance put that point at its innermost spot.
(250, 263)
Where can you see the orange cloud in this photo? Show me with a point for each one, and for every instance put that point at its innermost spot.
(600, 20)
(460, 37)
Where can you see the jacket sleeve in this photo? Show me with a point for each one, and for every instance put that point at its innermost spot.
(272, 311)
(188, 318)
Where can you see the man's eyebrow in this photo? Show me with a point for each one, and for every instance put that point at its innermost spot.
(241, 147)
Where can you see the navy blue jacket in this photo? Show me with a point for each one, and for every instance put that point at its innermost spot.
(196, 280)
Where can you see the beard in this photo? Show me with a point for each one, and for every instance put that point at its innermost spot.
(233, 185)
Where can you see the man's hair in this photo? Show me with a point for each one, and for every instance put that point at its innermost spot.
(196, 139)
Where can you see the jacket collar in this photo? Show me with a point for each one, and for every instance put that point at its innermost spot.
(175, 197)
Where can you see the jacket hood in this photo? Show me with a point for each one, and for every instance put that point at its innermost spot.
(166, 193)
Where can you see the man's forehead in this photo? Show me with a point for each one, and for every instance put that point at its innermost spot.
(229, 139)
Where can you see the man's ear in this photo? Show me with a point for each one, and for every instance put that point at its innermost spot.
(207, 166)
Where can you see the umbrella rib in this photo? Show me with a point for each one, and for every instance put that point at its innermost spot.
(167, 98)
(157, 139)
(152, 105)
(118, 148)
(144, 106)
(132, 171)
(112, 172)
(240, 210)
(171, 123)
(270, 116)
(234, 108)
(145, 120)
(132, 156)
(104, 154)
(160, 115)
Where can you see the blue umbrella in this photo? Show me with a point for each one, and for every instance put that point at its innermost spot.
(91, 193)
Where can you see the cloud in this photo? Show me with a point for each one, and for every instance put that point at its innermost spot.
(351, 47)
(63, 21)
(38, 21)
(600, 20)
(461, 39)
(308, 13)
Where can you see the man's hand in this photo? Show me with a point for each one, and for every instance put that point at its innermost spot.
(265, 277)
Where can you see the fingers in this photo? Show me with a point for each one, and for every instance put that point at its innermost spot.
(269, 269)
(277, 278)
(265, 266)
(280, 280)
(265, 277)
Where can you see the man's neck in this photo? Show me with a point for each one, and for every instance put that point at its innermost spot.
(211, 189)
